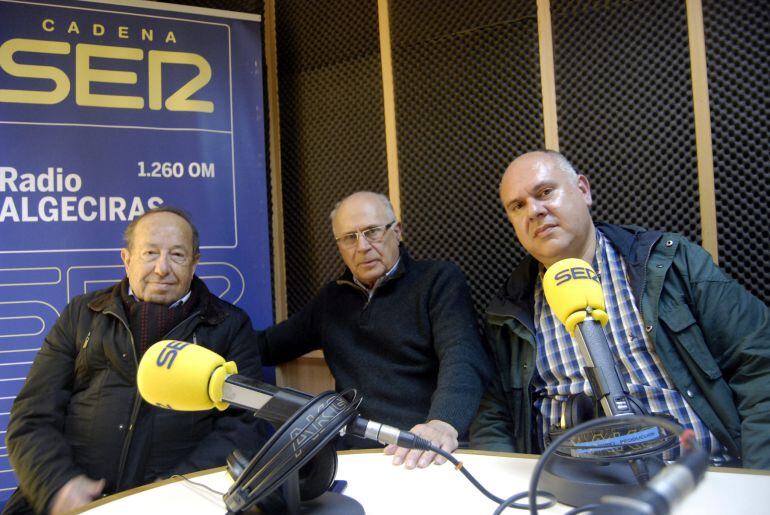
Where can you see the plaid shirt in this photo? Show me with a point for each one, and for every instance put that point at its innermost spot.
(559, 364)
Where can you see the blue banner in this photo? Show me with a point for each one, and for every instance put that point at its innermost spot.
(107, 110)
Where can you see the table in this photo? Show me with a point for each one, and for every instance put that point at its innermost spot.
(384, 489)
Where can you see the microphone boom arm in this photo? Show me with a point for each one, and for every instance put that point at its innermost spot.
(271, 403)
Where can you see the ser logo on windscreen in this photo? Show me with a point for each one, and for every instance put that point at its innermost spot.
(576, 272)
(168, 354)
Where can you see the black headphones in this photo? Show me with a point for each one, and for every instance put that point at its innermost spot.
(303, 445)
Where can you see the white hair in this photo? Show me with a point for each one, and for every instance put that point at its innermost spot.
(379, 196)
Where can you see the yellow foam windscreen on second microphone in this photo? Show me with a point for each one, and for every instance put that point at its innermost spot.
(571, 286)
(183, 376)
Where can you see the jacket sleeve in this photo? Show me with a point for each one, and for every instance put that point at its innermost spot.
(41, 458)
(493, 429)
(293, 337)
(234, 428)
(736, 326)
(463, 365)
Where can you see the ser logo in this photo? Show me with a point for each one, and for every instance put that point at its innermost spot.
(576, 272)
(14, 52)
(168, 354)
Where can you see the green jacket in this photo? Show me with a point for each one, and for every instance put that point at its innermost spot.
(712, 337)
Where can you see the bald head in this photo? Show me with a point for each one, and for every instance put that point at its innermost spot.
(548, 203)
(544, 157)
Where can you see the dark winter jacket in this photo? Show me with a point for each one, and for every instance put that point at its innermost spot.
(712, 337)
(79, 411)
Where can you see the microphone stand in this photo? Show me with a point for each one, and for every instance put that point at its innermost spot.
(577, 480)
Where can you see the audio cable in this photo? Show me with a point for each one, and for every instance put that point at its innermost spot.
(694, 459)
(510, 502)
(686, 472)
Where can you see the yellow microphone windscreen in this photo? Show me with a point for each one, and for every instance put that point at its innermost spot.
(176, 375)
(571, 286)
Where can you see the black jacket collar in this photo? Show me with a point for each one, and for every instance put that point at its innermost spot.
(109, 300)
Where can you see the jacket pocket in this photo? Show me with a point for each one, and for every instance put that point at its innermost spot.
(688, 336)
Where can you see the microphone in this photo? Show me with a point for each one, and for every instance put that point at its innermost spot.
(574, 293)
(297, 463)
(182, 376)
(664, 491)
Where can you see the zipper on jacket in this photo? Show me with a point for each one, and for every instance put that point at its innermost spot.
(137, 398)
(192, 315)
(358, 288)
(134, 409)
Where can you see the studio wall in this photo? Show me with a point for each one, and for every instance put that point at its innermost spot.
(737, 50)
(671, 135)
(332, 129)
(467, 85)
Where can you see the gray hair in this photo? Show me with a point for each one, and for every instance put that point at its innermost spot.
(379, 196)
(128, 234)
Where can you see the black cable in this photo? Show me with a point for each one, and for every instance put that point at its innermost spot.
(640, 419)
(510, 502)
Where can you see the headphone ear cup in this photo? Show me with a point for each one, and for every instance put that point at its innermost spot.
(580, 408)
(302, 445)
(236, 463)
(315, 478)
(317, 475)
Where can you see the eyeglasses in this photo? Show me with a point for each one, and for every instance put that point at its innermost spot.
(176, 256)
(372, 235)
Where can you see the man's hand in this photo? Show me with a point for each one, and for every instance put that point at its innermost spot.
(439, 433)
(77, 492)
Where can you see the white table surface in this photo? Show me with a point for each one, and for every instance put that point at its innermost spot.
(384, 489)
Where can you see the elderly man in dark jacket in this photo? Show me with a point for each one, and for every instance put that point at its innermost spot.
(78, 428)
(401, 331)
(688, 340)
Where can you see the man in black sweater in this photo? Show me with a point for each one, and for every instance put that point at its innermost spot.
(400, 331)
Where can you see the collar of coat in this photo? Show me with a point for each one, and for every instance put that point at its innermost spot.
(109, 300)
(404, 263)
(515, 299)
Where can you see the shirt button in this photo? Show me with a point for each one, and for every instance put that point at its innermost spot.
(121, 427)
(658, 266)
(125, 355)
(690, 394)
(648, 328)
(669, 243)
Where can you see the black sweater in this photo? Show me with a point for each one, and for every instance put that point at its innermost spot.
(413, 350)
